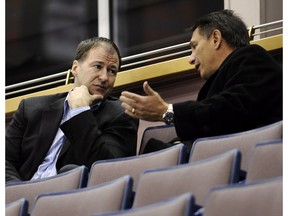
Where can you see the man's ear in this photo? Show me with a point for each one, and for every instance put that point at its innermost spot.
(74, 67)
(217, 38)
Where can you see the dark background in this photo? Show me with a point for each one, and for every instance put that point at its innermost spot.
(42, 35)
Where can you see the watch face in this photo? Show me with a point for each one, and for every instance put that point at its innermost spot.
(169, 117)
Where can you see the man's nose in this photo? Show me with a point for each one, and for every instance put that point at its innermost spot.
(103, 75)
(192, 59)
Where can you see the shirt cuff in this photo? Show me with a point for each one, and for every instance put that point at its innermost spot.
(73, 112)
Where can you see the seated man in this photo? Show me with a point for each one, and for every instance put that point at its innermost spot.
(243, 88)
(85, 125)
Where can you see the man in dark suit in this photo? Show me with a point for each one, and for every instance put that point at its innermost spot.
(85, 125)
(243, 88)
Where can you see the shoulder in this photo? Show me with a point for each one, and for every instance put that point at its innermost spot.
(252, 51)
(43, 100)
(253, 47)
(46, 98)
(252, 55)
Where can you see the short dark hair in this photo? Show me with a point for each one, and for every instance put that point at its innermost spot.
(85, 45)
(232, 27)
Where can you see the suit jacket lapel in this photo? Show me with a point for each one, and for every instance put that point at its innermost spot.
(49, 124)
(66, 143)
(65, 147)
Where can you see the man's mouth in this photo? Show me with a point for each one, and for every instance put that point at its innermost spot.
(100, 88)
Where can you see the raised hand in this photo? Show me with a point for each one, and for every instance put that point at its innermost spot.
(80, 97)
(149, 107)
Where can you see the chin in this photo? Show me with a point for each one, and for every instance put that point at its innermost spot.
(202, 75)
(100, 94)
(103, 94)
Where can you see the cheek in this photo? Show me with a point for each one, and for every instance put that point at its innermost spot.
(87, 79)
(207, 71)
(111, 81)
(90, 75)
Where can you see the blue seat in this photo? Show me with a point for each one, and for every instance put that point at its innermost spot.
(244, 141)
(197, 178)
(17, 208)
(181, 205)
(73, 179)
(266, 161)
(260, 198)
(164, 133)
(106, 197)
(106, 170)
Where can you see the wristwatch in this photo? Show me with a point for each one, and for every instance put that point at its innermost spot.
(168, 116)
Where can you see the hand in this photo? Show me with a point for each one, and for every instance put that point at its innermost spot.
(150, 107)
(80, 97)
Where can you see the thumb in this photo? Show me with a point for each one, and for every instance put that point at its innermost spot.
(148, 90)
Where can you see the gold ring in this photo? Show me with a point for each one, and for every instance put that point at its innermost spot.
(133, 110)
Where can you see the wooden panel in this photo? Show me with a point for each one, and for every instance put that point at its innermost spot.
(172, 69)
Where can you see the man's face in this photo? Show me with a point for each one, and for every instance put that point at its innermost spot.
(203, 54)
(97, 71)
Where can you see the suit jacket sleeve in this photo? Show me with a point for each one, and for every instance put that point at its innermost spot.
(109, 133)
(14, 134)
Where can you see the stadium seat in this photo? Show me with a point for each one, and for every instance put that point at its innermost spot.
(106, 170)
(110, 196)
(266, 161)
(29, 190)
(197, 178)
(260, 198)
(244, 141)
(179, 206)
(17, 208)
(164, 133)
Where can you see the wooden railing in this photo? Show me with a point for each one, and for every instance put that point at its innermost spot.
(174, 68)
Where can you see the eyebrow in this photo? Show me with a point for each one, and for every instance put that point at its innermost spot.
(102, 62)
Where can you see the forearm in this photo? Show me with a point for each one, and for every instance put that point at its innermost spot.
(90, 141)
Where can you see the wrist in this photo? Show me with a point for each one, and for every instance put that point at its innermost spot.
(168, 116)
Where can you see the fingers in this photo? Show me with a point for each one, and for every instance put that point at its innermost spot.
(80, 97)
(129, 103)
(129, 110)
(149, 107)
(126, 96)
(129, 96)
(130, 100)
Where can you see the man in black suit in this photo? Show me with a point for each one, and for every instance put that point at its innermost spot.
(243, 88)
(85, 125)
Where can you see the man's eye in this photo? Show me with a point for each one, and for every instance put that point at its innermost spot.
(97, 66)
(113, 72)
(193, 46)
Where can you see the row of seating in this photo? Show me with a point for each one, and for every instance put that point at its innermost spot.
(144, 180)
(258, 199)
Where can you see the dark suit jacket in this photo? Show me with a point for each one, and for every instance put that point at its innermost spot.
(92, 135)
(244, 93)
